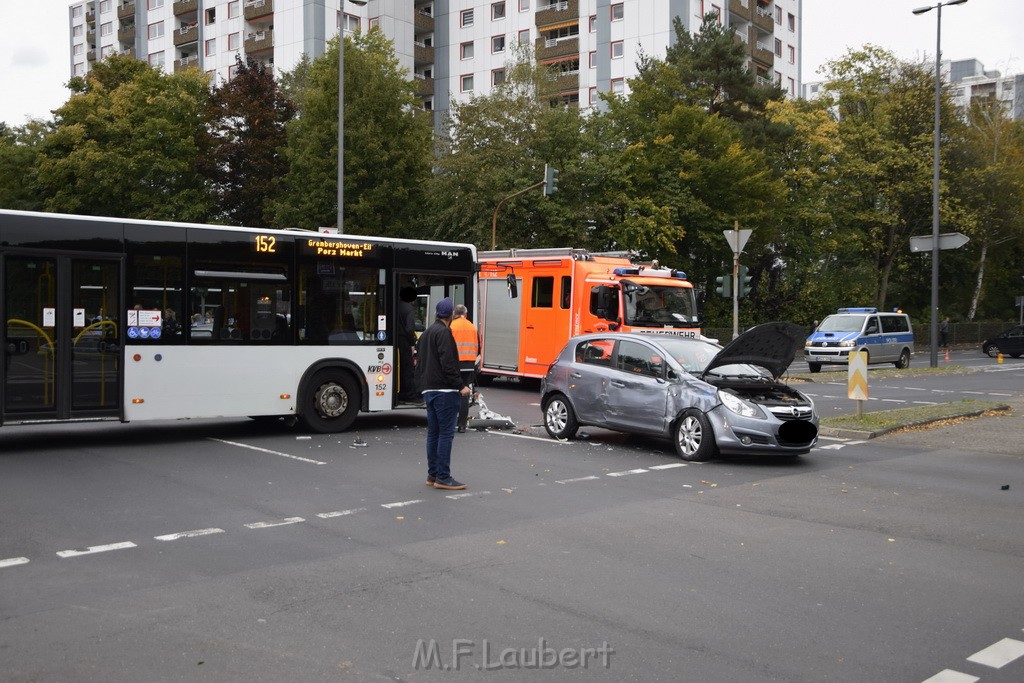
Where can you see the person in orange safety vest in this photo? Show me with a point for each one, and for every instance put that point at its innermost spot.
(467, 340)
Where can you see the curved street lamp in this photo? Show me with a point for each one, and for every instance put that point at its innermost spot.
(341, 110)
(934, 329)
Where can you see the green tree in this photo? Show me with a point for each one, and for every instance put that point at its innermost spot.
(129, 143)
(19, 149)
(387, 144)
(248, 116)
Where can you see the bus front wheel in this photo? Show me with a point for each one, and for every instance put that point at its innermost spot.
(330, 402)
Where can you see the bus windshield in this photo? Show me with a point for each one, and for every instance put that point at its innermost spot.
(659, 305)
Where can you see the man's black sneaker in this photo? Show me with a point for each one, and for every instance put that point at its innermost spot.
(461, 430)
(448, 483)
(431, 480)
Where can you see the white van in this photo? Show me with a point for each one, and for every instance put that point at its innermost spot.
(887, 337)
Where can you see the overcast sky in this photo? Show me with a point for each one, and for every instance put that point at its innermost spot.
(34, 61)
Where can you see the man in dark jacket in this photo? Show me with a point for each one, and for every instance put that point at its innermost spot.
(405, 339)
(439, 378)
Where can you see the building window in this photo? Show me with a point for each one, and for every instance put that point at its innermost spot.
(156, 30)
(497, 44)
(618, 86)
(466, 83)
(104, 6)
(76, 13)
(593, 23)
(498, 10)
(497, 76)
(155, 4)
(233, 43)
(792, 23)
(106, 29)
(778, 47)
(211, 47)
(77, 31)
(466, 50)
(778, 78)
(717, 11)
(593, 59)
(78, 49)
(233, 9)
(79, 69)
(524, 37)
(778, 15)
(211, 15)
(617, 49)
(107, 51)
(156, 59)
(428, 104)
(617, 12)
(792, 54)
(374, 22)
(593, 96)
(524, 5)
(792, 87)
(466, 18)
(351, 24)
(232, 72)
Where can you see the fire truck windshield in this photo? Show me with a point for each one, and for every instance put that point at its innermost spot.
(659, 306)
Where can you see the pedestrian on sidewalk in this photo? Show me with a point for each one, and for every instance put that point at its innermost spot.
(439, 378)
(467, 341)
(944, 332)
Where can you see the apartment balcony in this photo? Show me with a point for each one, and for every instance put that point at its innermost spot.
(90, 16)
(90, 55)
(551, 48)
(126, 10)
(186, 34)
(258, 41)
(90, 36)
(424, 86)
(556, 13)
(742, 8)
(422, 54)
(763, 54)
(256, 9)
(126, 34)
(567, 82)
(189, 7)
(763, 17)
(423, 22)
(190, 62)
(127, 52)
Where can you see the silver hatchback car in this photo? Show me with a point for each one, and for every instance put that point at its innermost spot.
(705, 398)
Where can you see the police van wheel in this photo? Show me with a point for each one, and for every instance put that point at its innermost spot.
(330, 402)
(904, 362)
(814, 367)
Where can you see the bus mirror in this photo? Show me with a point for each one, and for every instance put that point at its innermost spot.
(513, 288)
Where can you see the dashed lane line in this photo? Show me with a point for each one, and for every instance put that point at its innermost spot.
(999, 654)
(627, 472)
(268, 451)
(468, 494)
(668, 466)
(340, 513)
(268, 525)
(195, 533)
(401, 504)
(570, 481)
(951, 676)
(13, 562)
(92, 550)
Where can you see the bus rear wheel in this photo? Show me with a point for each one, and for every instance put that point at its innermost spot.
(330, 402)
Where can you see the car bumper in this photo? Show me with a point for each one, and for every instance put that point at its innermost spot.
(735, 434)
(837, 355)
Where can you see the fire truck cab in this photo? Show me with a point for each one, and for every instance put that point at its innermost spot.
(533, 300)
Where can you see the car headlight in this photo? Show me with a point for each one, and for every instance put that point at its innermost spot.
(850, 343)
(738, 405)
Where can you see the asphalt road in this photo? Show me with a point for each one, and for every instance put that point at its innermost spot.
(229, 551)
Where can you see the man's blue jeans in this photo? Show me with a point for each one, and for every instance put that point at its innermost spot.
(442, 412)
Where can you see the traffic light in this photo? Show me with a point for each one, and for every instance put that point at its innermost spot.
(744, 282)
(550, 180)
(724, 287)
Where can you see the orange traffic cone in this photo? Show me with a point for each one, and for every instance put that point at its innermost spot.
(947, 354)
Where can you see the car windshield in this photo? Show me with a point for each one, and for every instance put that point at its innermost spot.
(659, 306)
(695, 355)
(842, 323)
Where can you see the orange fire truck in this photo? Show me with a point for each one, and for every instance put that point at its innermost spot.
(533, 300)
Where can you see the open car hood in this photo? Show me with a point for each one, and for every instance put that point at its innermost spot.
(772, 346)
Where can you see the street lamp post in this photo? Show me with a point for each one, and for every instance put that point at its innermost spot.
(934, 329)
(341, 111)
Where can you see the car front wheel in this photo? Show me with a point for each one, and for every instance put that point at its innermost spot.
(694, 440)
(904, 362)
(559, 418)
(990, 350)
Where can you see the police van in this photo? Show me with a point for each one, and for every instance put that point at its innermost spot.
(887, 337)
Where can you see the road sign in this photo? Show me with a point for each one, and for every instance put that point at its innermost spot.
(737, 239)
(857, 385)
(947, 240)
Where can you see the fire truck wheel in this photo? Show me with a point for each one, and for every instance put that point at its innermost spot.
(559, 418)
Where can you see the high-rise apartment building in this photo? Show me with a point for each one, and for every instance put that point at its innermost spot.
(455, 49)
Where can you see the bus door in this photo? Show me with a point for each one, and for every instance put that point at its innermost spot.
(62, 338)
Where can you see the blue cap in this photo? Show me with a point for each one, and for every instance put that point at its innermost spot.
(445, 308)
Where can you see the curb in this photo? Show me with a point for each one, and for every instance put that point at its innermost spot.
(859, 434)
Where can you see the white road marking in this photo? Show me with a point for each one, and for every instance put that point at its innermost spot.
(668, 466)
(267, 525)
(400, 504)
(926, 403)
(468, 494)
(13, 562)
(266, 450)
(951, 676)
(340, 513)
(189, 534)
(992, 393)
(533, 438)
(979, 393)
(569, 481)
(95, 549)
(1000, 654)
(894, 400)
(623, 474)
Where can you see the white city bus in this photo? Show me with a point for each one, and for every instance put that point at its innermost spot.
(128, 320)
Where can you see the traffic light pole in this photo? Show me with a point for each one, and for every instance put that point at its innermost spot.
(736, 291)
(494, 218)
